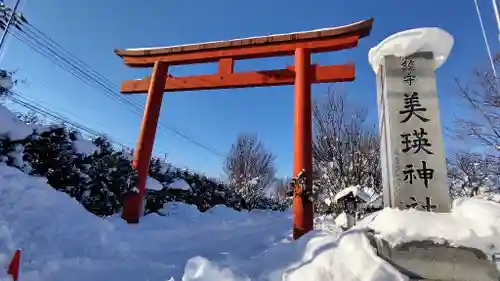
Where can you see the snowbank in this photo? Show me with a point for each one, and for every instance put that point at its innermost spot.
(179, 184)
(357, 191)
(47, 225)
(39, 129)
(153, 184)
(62, 241)
(11, 127)
(6, 81)
(83, 146)
(317, 256)
(472, 223)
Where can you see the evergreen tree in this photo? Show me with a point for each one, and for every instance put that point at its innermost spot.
(112, 176)
(51, 155)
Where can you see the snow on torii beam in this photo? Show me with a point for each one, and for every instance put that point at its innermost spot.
(302, 75)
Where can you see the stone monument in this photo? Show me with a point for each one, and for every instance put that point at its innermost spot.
(412, 153)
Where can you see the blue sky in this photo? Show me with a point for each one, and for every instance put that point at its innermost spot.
(92, 29)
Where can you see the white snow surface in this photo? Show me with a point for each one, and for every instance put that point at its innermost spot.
(83, 146)
(408, 42)
(11, 127)
(39, 129)
(472, 223)
(341, 220)
(376, 201)
(153, 184)
(356, 190)
(247, 38)
(6, 82)
(60, 240)
(179, 184)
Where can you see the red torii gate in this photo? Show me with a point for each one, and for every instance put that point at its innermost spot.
(302, 74)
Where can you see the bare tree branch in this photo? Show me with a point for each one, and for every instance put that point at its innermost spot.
(345, 148)
(482, 96)
(470, 173)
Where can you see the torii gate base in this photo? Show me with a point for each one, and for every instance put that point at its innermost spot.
(302, 75)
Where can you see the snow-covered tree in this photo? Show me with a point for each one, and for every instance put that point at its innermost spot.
(31, 117)
(51, 154)
(345, 148)
(111, 175)
(249, 167)
(7, 82)
(98, 175)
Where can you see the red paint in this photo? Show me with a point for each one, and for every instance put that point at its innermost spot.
(14, 265)
(142, 156)
(317, 45)
(302, 147)
(226, 79)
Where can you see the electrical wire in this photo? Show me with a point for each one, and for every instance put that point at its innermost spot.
(6, 42)
(51, 50)
(497, 16)
(485, 39)
(174, 129)
(9, 22)
(26, 103)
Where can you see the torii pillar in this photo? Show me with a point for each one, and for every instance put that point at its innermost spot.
(302, 45)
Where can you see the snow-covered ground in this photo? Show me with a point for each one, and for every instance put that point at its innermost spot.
(60, 240)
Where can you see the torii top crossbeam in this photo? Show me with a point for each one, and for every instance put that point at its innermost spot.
(320, 40)
(225, 52)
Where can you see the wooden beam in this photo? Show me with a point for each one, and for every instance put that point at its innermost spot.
(245, 52)
(360, 28)
(321, 74)
(226, 66)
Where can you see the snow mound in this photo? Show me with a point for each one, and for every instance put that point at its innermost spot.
(318, 256)
(11, 127)
(326, 223)
(408, 42)
(153, 184)
(6, 82)
(376, 201)
(179, 184)
(46, 224)
(38, 129)
(341, 220)
(60, 240)
(472, 223)
(83, 146)
(356, 190)
(186, 211)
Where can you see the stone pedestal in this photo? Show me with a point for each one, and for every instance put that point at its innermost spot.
(425, 260)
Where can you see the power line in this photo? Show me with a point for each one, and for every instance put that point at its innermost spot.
(23, 101)
(9, 22)
(5, 42)
(45, 46)
(497, 16)
(485, 39)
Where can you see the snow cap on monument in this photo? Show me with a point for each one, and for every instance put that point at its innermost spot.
(408, 42)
